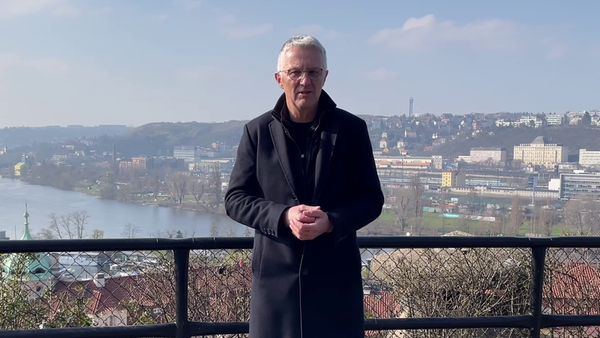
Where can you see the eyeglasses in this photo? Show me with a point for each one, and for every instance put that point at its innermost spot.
(296, 74)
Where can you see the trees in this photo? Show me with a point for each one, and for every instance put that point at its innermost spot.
(402, 207)
(516, 216)
(197, 187)
(131, 231)
(456, 283)
(178, 186)
(417, 190)
(69, 226)
(216, 182)
(27, 304)
(546, 220)
(583, 215)
(219, 289)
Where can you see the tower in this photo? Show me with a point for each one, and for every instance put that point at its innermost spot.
(410, 106)
(26, 234)
(28, 266)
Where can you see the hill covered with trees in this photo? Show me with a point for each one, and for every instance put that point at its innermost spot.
(575, 137)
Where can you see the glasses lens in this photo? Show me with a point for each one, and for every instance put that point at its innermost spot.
(296, 74)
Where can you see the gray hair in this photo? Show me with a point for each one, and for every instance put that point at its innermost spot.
(301, 41)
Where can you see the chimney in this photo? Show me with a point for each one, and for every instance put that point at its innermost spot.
(99, 280)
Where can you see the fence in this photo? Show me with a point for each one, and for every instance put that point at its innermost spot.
(414, 287)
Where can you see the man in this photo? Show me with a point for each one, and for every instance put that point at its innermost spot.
(305, 180)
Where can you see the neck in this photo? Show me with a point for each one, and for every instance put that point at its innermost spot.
(301, 116)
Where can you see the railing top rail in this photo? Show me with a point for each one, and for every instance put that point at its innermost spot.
(208, 243)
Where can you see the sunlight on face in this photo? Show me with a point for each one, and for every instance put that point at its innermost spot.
(302, 78)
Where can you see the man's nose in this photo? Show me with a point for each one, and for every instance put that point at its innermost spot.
(305, 80)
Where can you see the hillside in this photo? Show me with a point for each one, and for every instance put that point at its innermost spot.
(23, 136)
(575, 137)
(159, 138)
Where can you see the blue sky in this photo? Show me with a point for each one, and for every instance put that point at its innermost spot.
(134, 62)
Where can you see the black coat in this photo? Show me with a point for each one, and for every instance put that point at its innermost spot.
(305, 289)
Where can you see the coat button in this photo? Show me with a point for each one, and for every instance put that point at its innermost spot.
(304, 272)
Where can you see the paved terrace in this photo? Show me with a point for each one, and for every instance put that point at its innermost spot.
(457, 286)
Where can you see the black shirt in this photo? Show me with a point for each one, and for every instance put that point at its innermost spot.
(300, 134)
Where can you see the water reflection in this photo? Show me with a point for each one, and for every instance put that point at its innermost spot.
(109, 216)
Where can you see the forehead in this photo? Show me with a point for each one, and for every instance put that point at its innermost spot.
(303, 57)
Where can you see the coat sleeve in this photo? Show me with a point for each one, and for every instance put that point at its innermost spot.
(243, 201)
(368, 197)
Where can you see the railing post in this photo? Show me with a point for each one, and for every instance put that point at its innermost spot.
(539, 261)
(182, 260)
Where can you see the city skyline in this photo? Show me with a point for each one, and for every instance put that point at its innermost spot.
(65, 62)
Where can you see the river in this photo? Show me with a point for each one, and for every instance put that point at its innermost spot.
(107, 215)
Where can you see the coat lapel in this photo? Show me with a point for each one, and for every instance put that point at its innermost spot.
(288, 164)
(323, 158)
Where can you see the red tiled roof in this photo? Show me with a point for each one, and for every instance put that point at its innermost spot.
(382, 305)
(101, 299)
(574, 290)
(576, 281)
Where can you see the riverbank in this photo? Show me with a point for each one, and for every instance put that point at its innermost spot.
(161, 200)
(109, 216)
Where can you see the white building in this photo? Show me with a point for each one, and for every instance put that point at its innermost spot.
(554, 119)
(579, 186)
(528, 120)
(589, 158)
(554, 184)
(189, 154)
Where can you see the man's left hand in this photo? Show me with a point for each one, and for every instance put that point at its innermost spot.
(310, 231)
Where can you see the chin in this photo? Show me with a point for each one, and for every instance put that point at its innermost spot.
(306, 102)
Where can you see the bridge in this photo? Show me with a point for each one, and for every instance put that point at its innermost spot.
(445, 286)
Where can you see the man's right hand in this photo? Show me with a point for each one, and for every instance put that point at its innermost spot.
(296, 218)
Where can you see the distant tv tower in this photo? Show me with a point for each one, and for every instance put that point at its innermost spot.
(410, 106)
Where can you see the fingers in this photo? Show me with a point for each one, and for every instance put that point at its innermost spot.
(315, 213)
(302, 220)
(303, 231)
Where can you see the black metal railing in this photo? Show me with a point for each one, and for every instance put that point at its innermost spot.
(534, 321)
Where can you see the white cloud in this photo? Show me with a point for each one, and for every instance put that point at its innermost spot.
(234, 29)
(316, 30)
(53, 66)
(380, 74)
(50, 65)
(428, 33)
(9, 60)
(14, 8)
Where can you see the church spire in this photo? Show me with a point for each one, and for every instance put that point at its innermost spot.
(26, 233)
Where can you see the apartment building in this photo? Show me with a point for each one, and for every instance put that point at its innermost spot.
(488, 155)
(541, 152)
(579, 186)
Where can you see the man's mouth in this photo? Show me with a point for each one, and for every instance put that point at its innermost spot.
(305, 92)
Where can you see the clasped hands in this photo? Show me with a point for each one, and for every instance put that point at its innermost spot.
(307, 222)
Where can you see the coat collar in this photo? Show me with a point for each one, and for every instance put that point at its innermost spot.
(326, 137)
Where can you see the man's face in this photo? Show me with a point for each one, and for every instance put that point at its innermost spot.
(302, 77)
